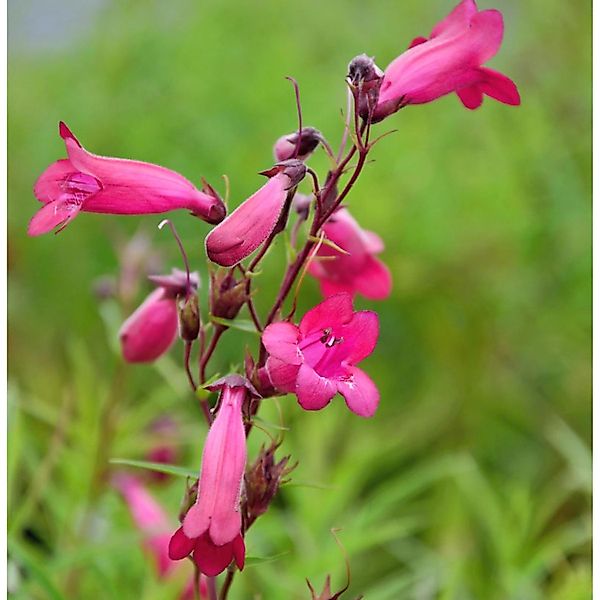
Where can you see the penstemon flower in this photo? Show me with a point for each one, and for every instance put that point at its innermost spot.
(118, 186)
(151, 330)
(251, 223)
(150, 518)
(356, 270)
(211, 528)
(316, 359)
(450, 60)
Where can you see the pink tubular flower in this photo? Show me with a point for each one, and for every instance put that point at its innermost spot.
(316, 359)
(450, 60)
(358, 271)
(152, 522)
(211, 528)
(149, 518)
(151, 330)
(251, 223)
(91, 183)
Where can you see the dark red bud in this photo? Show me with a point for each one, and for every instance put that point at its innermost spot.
(295, 145)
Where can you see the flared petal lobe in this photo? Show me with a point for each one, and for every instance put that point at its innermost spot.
(249, 225)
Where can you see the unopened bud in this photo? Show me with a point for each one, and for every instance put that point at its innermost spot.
(263, 479)
(227, 295)
(189, 317)
(365, 77)
(189, 499)
(297, 145)
(295, 170)
(217, 211)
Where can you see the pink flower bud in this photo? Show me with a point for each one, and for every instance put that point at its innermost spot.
(91, 183)
(450, 60)
(251, 223)
(286, 146)
(151, 330)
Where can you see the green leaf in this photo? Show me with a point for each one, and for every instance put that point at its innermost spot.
(269, 424)
(152, 466)
(257, 560)
(241, 324)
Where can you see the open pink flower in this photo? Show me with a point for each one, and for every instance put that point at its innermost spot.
(151, 520)
(357, 271)
(450, 60)
(151, 330)
(91, 183)
(317, 358)
(251, 223)
(211, 528)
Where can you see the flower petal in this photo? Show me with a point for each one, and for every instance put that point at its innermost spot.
(334, 311)
(471, 96)
(331, 288)
(374, 280)
(53, 214)
(486, 33)
(48, 187)
(212, 559)
(282, 375)
(180, 545)
(239, 552)
(500, 87)
(281, 341)
(360, 336)
(360, 393)
(457, 21)
(313, 391)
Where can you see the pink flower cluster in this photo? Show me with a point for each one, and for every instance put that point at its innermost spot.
(314, 358)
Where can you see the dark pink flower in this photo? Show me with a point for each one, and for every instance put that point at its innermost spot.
(316, 359)
(91, 183)
(211, 528)
(151, 330)
(450, 60)
(251, 223)
(149, 518)
(357, 271)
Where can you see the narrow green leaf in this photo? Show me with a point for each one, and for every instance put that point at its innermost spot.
(240, 324)
(257, 560)
(152, 466)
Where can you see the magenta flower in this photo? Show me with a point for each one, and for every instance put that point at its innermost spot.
(211, 529)
(358, 271)
(251, 223)
(149, 518)
(151, 330)
(91, 183)
(317, 358)
(450, 60)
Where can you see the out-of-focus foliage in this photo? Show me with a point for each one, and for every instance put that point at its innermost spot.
(473, 479)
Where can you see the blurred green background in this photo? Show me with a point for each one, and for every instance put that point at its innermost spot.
(473, 480)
